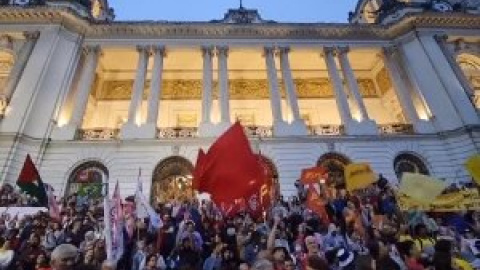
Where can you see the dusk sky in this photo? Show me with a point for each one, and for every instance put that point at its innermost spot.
(205, 10)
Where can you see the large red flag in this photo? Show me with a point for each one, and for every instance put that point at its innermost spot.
(198, 171)
(317, 204)
(230, 171)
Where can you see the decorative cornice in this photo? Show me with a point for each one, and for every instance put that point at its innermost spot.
(184, 30)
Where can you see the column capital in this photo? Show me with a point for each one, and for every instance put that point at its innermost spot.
(268, 50)
(283, 50)
(207, 50)
(221, 50)
(143, 49)
(441, 37)
(92, 49)
(31, 35)
(158, 49)
(342, 50)
(328, 51)
(389, 50)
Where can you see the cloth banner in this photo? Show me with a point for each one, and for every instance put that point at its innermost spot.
(452, 202)
(313, 175)
(359, 176)
(117, 224)
(473, 167)
(421, 187)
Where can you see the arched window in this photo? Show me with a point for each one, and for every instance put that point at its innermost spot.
(408, 162)
(87, 179)
(335, 164)
(172, 180)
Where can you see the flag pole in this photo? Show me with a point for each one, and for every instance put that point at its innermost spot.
(107, 219)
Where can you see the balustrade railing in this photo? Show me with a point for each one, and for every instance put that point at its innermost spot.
(258, 131)
(101, 134)
(326, 130)
(387, 129)
(98, 134)
(177, 132)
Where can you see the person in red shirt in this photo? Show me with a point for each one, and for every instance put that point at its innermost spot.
(410, 254)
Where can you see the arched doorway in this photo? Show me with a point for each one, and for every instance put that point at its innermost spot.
(272, 174)
(172, 180)
(86, 179)
(470, 65)
(335, 164)
(409, 162)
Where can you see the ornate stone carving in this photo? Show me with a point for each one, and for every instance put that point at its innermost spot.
(182, 89)
(177, 132)
(326, 130)
(383, 80)
(240, 89)
(367, 87)
(3, 105)
(249, 89)
(390, 129)
(313, 88)
(96, 134)
(258, 131)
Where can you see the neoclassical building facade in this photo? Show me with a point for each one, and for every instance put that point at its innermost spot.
(89, 97)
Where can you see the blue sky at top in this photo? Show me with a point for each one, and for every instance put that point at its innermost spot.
(205, 10)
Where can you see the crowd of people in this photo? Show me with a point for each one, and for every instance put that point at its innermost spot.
(362, 230)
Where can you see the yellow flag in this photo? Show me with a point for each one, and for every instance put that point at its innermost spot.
(358, 176)
(421, 187)
(473, 167)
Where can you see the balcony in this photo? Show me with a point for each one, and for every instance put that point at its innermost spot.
(104, 134)
(177, 132)
(394, 129)
(98, 134)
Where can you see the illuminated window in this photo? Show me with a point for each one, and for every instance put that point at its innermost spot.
(86, 180)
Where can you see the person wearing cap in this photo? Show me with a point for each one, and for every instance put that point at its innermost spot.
(63, 257)
(346, 259)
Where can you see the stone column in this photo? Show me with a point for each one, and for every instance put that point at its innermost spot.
(275, 98)
(223, 97)
(402, 92)
(150, 127)
(340, 96)
(297, 124)
(20, 62)
(206, 126)
(84, 86)
(352, 83)
(364, 125)
(441, 110)
(444, 65)
(130, 129)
